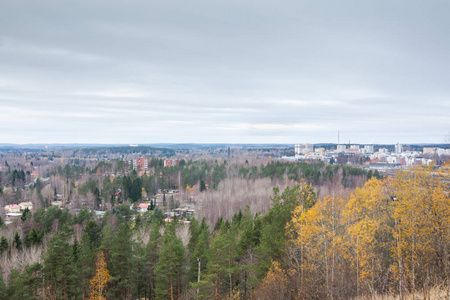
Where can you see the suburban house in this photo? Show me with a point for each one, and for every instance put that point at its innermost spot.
(56, 203)
(25, 205)
(12, 208)
(143, 207)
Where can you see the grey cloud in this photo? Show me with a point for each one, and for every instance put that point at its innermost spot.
(216, 71)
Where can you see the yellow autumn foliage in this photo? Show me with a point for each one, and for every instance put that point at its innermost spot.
(99, 282)
(392, 235)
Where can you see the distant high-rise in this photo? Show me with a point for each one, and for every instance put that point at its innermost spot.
(229, 152)
(171, 162)
(398, 148)
(140, 163)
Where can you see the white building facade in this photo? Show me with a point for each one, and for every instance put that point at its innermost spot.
(341, 148)
(301, 149)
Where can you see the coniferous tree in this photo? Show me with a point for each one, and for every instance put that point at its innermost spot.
(14, 284)
(4, 245)
(194, 231)
(122, 247)
(3, 288)
(17, 241)
(139, 278)
(202, 185)
(152, 255)
(249, 238)
(26, 285)
(216, 277)
(136, 190)
(169, 271)
(94, 232)
(218, 224)
(59, 266)
(199, 252)
(33, 237)
(152, 206)
(231, 252)
(273, 234)
(75, 250)
(84, 255)
(164, 199)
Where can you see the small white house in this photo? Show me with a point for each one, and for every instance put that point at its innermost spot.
(25, 205)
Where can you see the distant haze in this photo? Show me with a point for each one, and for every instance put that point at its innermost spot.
(224, 71)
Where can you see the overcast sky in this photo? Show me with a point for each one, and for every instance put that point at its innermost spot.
(224, 71)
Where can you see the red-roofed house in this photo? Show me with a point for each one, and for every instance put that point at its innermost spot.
(143, 207)
(12, 208)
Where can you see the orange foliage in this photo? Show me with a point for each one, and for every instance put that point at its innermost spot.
(274, 285)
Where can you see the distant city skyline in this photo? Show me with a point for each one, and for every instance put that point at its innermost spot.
(111, 72)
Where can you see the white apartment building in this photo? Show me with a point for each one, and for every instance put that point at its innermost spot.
(443, 151)
(341, 148)
(368, 149)
(301, 149)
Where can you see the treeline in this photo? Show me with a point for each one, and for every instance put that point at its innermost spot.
(140, 256)
(191, 172)
(91, 177)
(79, 168)
(314, 173)
(144, 150)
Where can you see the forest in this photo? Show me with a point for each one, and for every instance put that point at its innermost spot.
(277, 230)
(143, 257)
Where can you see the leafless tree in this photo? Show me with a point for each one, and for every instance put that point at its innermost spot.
(48, 193)
(182, 232)
(234, 194)
(34, 199)
(90, 200)
(19, 259)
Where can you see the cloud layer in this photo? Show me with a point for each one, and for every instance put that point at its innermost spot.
(224, 71)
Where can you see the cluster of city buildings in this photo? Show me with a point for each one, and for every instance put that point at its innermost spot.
(310, 152)
(377, 157)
